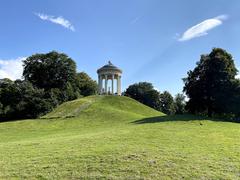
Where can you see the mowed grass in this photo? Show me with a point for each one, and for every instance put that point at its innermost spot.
(106, 137)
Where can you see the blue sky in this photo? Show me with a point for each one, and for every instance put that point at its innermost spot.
(150, 40)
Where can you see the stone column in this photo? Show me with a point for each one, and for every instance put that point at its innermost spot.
(99, 84)
(106, 84)
(119, 85)
(112, 84)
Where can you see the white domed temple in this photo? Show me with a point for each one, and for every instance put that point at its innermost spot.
(106, 73)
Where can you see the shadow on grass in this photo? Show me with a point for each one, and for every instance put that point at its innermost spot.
(166, 118)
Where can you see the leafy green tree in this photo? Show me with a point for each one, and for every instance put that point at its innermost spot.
(32, 102)
(1, 108)
(144, 93)
(85, 84)
(167, 103)
(209, 85)
(50, 79)
(179, 102)
(20, 99)
(234, 100)
(50, 70)
(8, 94)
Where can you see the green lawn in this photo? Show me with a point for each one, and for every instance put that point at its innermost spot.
(118, 138)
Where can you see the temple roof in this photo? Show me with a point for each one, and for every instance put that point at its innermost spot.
(109, 66)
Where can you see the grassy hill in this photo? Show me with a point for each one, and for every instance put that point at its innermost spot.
(106, 137)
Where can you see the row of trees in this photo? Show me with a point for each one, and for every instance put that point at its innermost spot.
(48, 80)
(211, 87)
(145, 93)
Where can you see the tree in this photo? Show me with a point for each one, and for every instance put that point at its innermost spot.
(209, 85)
(144, 93)
(167, 103)
(1, 108)
(180, 103)
(20, 100)
(234, 100)
(32, 102)
(8, 95)
(50, 70)
(49, 80)
(85, 84)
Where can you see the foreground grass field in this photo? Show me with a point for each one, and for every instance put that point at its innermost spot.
(118, 138)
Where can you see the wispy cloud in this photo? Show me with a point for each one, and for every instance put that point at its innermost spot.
(202, 28)
(57, 20)
(11, 69)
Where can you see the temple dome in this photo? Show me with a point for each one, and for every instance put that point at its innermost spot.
(108, 67)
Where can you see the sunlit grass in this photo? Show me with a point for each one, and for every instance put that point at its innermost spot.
(118, 138)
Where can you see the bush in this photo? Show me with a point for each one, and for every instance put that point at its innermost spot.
(20, 99)
(144, 93)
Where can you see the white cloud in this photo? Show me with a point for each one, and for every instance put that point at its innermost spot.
(155, 88)
(57, 20)
(202, 28)
(238, 76)
(11, 69)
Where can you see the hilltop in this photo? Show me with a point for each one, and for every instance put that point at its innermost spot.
(103, 106)
(111, 137)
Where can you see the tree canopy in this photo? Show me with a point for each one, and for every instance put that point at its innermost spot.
(85, 84)
(49, 80)
(50, 70)
(19, 99)
(144, 93)
(180, 103)
(210, 85)
(167, 103)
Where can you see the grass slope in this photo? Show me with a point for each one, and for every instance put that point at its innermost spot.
(106, 137)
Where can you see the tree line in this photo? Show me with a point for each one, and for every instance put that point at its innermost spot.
(212, 89)
(145, 93)
(48, 80)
